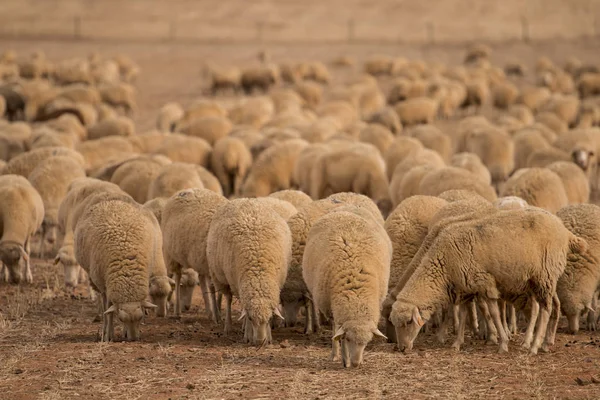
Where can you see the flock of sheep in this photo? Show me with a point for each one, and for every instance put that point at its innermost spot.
(301, 194)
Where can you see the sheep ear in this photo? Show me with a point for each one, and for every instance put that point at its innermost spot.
(378, 333)
(171, 281)
(147, 304)
(242, 316)
(24, 253)
(590, 309)
(111, 310)
(339, 334)
(416, 317)
(278, 313)
(56, 260)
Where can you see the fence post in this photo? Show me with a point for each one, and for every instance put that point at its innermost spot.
(525, 34)
(351, 30)
(430, 32)
(77, 27)
(260, 31)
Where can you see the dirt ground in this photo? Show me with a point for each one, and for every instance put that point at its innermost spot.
(48, 342)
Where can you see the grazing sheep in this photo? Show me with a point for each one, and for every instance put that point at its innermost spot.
(388, 118)
(119, 126)
(454, 195)
(505, 95)
(440, 180)
(346, 268)
(172, 178)
(418, 110)
(135, 176)
(575, 182)
(25, 163)
(254, 112)
(297, 198)
(420, 158)
(472, 163)
(185, 221)
(527, 141)
(401, 148)
(100, 152)
(225, 79)
(577, 287)
(210, 129)
(21, 215)
(539, 187)
(311, 93)
(248, 251)
(273, 170)
(533, 97)
(478, 93)
(168, 116)
(118, 244)
(259, 78)
(185, 149)
(542, 245)
(546, 156)
(306, 162)
(284, 208)
(119, 95)
(378, 136)
(434, 139)
(231, 160)
(51, 178)
(589, 85)
(156, 207)
(209, 181)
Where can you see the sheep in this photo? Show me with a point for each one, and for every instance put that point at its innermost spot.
(343, 112)
(186, 149)
(398, 151)
(25, 163)
(284, 208)
(185, 222)
(407, 227)
(118, 244)
(434, 139)
(80, 93)
(273, 170)
(505, 95)
(533, 97)
(295, 197)
(539, 187)
(311, 93)
(420, 158)
(388, 118)
(47, 137)
(440, 180)
(173, 178)
(521, 113)
(472, 163)
(120, 126)
(200, 109)
(418, 110)
(254, 112)
(156, 207)
(259, 78)
(478, 93)
(231, 160)
(575, 182)
(346, 268)
(454, 195)
(248, 250)
(21, 215)
(98, 153)
(546, 156)
(378, 136)
(577, 287)
(148, 142)
(564, 107)
(515, 69)
(543, 243)
(476, 52)
(51, 178)
(358, 169)
(210, 129)
(10, 147)
(168, 116)
(588, 85)
(135, 176)
(209, 181)
(407, 184)
(526, 142)
(306, 162)
(119, 95)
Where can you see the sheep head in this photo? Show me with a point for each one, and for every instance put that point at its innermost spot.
(66, 257)
(257, 327)
(160, 289)
(13, 255)
(130, 314)
(583, 156)
(354, 336)
(291, 305)
(189, 280)
(408, 322)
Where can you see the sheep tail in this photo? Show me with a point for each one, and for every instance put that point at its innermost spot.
(577, 244)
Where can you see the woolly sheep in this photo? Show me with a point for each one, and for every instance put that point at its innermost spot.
(346, 269)
(168, 116)
(156, 207)
(273, 170)
(424, 157)
(472, 163)
(418, 110)
(575, 182)
(539, 187)
(254, 111)
(186, 149)
(505, 95)
(388, 118)
(434, 139)
(172, 178)
(454, 195)
(398, 151)
(589, 85)
(209, 181)
(577, 286)
(521, 113)
(210, 129)
(311, 93)
(259, 78)
(25, 163)
(100, 152)
(21, 215)
(225, 78)
(148, 142)
(405, 185)
(185, 222)
(231, 160)
(543, 157)
(533, 97)
(119, 95)
(378, 136)
(120, 126)
(248, 251)
(135, 176)
(305, 164)
(295, 197)
(526, 142)
(284, 208)
(440, 180)
(200, 109)
(429, 286)
(118, 245)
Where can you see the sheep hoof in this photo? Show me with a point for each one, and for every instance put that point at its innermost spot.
(545, 348)
(335, 358)
(29, 277)
(533, 351)
(456, 346)
(526, 345)
(503, 348)
(441, 339)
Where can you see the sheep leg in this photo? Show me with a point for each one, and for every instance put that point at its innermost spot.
(540, 333)
(553, 324)
(474, 322)
(204, 288)
(316, 318)
(248, 331)
(177, 294)
(209, 298)
(512, 313)
(216, 309)
(443, 327)
(335, 344)
(591, 317)
(227, 312)
(308, 322)
(460, 332)
(495, 314)
(456, 316)
(502, 306)
(28, 274)
(491, 335)
(3, 273)
(42, 238)
(535, 309)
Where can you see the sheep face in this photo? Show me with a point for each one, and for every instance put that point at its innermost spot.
(66, 257)
(291, 308)
(583, 158)
(160, 289)
(189, 280)
(354, 336)
(408, 322)
(130, 314)
(258, 328)
(13, 256)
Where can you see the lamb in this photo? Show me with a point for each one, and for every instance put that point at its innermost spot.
(210, 128)
(346, 268)
(539, 187)
(148, 142)
(21, 215)
(248, 251)
(543, 244)
(254, 112)
(297, 198)
(51, 178)
(231, 160)
(273, 170)
(575, 182)
(25, 163)
(168, 116)
(418, 110)
(533, 97)
(440, 180)
(552, 121)
(577, 287)
(200, 109)
(186, 149)
(478, 93)
(119, 126)
(588, 85)
(118, 244)
(173, 178)
(185, 222)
